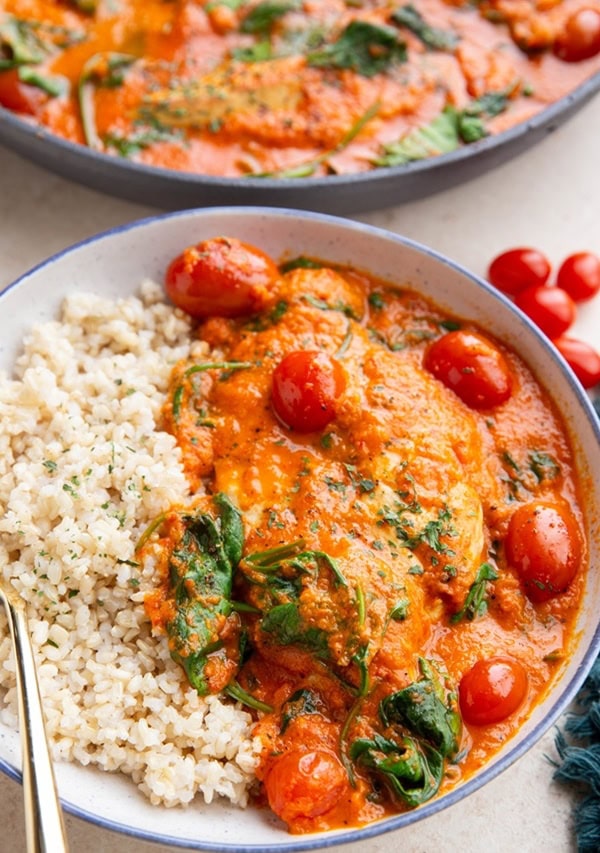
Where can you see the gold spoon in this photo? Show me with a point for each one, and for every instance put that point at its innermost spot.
(44, 828)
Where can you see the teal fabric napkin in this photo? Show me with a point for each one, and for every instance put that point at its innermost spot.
(579, 749)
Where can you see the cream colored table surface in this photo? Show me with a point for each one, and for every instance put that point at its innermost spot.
(548, 197)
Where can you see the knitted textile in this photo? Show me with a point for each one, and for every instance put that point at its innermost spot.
(580, 754)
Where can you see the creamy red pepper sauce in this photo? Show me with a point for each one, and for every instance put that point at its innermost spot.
(289, 88)
(376, 563)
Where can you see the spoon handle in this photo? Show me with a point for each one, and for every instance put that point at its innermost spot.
(44, 826)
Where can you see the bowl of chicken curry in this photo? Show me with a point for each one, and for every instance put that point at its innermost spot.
(319, 511)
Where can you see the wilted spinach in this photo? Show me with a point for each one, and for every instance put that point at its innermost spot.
(412, 771)
(201, 568)
(420, 730)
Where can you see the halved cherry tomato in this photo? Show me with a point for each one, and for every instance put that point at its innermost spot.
(579, 275)
(492, 690)
(550, 308)
(580, 37)
(472, 367)
(306, 385)
(582, 358)
(516, 269)
(305, 784)
(18, 96)
(543, 544)
(221, 277)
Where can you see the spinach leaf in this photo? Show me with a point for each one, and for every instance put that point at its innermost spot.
(21, 44)
(440, 136)
(141, 137)
(261, 18)
(363, 47)
(201, 567)
(29, 42)
(52, 84)
(419, 709)
(238, 693)
(295, 557)
(543, 465)
(399, 611)
(470, 120)
(288, 629)
(305, 600)
(411, 770)
(259, 52)
(475, 604)
(302, 702)
(410, 17)
(445, 133)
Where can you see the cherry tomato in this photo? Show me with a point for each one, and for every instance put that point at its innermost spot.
(579, 275)
(472, 367)
(222, 277)
(583, 359)
(580, 37)
(516, 269)
(305, 784)
(550, 308)
(543, 544)
(306, 385)
(19, 97)
(492, 690)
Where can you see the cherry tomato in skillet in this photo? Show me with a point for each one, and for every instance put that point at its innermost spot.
(492, 690)
(18, 96)
(516, 269)
(579, 275)
(305, 784)
(550, 308)
(543, 544)
(221, 277)
(306, 385)
(582, 358)
(472, 367)
(580, 36)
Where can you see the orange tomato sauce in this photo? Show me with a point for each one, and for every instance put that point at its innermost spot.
(283, 89)
(398, 501)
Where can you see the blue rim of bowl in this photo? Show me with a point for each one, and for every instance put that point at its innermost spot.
(541, 120)
(309, 843)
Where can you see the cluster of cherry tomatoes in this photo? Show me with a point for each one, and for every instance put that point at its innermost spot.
(524, 274)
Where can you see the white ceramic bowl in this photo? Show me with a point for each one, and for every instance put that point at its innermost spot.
(113, 264)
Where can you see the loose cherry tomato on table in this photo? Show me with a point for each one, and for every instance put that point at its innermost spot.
(492, 690)
(543, 544)
(582, 358)
(550, 308)
(18, 96)
(516, 269)
(305, 784)
(579, 275)
(306, 385)
(580, 36)
(221, 277)
(472, 367)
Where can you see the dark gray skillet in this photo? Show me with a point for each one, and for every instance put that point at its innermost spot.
(347, 194)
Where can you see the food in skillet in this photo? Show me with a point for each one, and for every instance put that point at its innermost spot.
(289, 88)
(318, 545)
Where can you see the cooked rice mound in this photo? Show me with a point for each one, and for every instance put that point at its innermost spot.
(83, 470)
